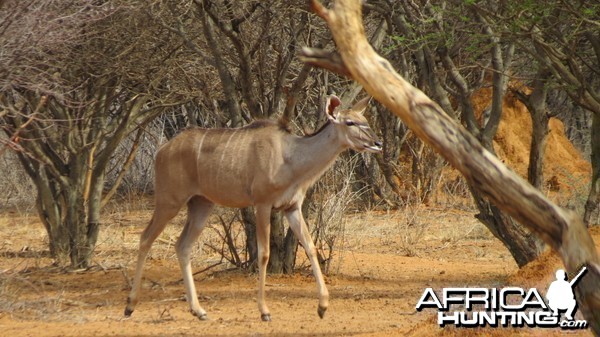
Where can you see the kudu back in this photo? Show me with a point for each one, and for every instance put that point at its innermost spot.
(261, 165)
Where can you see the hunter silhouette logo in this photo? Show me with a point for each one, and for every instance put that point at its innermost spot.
(560, 294)
(508, 306)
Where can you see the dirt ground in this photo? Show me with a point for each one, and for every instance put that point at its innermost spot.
(379, 272)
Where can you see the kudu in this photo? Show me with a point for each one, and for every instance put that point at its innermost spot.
(260, 165)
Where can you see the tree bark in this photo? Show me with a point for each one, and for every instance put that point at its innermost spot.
(539, 137)
(522, 244)
(277, 244)
(290, 248)
(72, 234)
(50, 211)
(593, 199)
(562, 229)
(536, 104)
(249, 220)
(571, 72)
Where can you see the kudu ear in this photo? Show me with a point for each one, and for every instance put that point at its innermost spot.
(361, 105)
(332, 103)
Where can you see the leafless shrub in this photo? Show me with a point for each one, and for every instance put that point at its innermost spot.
(139, 178)
(456, 193)
(411, 229)
(17, 188)
(54, 28)
(231, 236)
(334, 197)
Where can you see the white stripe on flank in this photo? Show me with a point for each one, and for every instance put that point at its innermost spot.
(225, 150)
(235, 152)
(199, 149)
(198, 155)
(247, 169)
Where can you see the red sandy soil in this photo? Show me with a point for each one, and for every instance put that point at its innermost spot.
(564, 168)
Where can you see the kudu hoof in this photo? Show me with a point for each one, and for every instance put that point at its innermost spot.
(321, 311)
(265, 317)
(201, 315)
(128, 312)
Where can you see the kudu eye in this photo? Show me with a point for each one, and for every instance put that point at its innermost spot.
(350, 123)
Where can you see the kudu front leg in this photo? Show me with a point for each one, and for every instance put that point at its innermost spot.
(263, 232)
(298, 226)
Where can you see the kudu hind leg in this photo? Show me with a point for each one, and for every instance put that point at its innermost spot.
(298, 226)
(198, 211)
(263, 232)
(160, 218)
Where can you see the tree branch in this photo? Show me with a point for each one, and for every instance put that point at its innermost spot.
(124, 168)
(329, 60)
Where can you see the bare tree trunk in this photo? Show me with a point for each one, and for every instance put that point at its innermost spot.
(539, 137)
(284, 244)
(593, 199)
(393, 135)
(277, 242)
(50, 212)
(536, 104)
(94, 206)
(522, 244)
(250, 229)
(243, 71)
(290, 250)
(233, 107)
(72, 232)
(562, 229)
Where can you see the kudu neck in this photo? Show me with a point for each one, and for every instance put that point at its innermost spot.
(315, 153)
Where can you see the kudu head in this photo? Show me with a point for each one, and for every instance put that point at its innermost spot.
(351, 125)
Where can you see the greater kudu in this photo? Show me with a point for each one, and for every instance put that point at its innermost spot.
(260, 165)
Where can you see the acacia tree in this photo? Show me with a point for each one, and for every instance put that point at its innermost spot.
(76, 79)
(455, 51)
(562, 229)
(564, 39)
